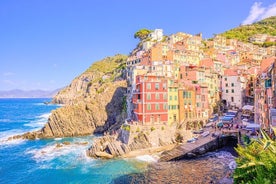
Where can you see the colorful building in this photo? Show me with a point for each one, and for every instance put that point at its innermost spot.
(150, 99)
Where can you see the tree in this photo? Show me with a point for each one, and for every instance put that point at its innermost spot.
(257, 162)
(142, 34)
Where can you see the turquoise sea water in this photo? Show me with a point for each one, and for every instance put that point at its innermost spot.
(41, 161)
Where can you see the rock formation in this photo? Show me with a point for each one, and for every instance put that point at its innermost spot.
(129, 140)
(93, 102)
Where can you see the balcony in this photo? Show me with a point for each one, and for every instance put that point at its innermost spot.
(136, 91)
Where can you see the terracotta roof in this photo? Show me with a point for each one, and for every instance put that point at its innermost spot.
(230, 72)
(208, 63)
(266, 63)
(253, 70)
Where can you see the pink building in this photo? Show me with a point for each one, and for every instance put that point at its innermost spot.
(150, 99)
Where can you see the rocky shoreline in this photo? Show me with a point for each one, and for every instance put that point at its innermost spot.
(130, 143)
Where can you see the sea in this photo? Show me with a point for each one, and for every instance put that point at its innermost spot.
(64, 160)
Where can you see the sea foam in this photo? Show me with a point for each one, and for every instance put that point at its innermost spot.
(6, 135)
(147, 158)
(39, 122)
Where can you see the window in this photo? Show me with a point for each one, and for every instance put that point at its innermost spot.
(197, 104)
(148, 96)
(232, 99)
(226, 84)
(203, 98)
(156, 86)
(165, 96)
(232, 90)
(225, 79)
(149, 86)
(170, 97)
(164, 86)
(157, 97)
(148, 106)
(157, 107)
(175, 97)
(226, 91)
(174, 117)
(165, 106)
(232, 84)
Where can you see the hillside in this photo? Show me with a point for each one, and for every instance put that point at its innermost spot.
(17, 93)
(93, 102)
(243, 33)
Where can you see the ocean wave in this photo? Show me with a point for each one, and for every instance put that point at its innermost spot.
(60, 151)
(5, 120)
(147, 158)
(44, 116)
(6, 135)
(58, 139)
(39, 122)
(224, 155)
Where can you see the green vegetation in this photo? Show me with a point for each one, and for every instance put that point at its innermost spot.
(138, 129)
(179, 138)
(126, 128)
(152, 128)
(243, 33)
(108, 64)
(124, 104)
(107, 69)
(142, 34)
(257, 162)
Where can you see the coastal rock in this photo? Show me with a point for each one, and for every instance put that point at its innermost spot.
(93, 103)
(102, 154)
(116, 146)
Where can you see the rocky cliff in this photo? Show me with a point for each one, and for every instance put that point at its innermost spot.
(133, 140)
(93, 103)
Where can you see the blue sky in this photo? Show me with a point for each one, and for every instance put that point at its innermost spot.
(44, 44)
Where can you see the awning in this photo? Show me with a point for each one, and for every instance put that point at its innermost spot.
(227, 118)
(248, 107)
(253, 126)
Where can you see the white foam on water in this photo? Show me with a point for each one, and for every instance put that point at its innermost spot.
(5, 120)
(57, 139)
(38, 104)
(224, 155)
(65, 153)
(39, 122)
(5, 138)
(147, 158)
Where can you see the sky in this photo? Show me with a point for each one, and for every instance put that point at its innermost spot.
(45, 44)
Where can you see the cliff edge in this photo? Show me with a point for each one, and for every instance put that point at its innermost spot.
(93, 102)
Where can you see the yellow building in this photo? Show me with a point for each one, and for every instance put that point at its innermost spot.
(173, 111)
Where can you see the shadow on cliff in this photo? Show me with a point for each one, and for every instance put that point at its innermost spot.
(115, 112)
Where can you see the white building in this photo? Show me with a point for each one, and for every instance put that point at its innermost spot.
(233, 86)
(157, 35)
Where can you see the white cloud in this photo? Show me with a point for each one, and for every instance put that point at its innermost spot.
(271, 11)
(9, 82)
(6, 74)
(255, 12)
(258, 12)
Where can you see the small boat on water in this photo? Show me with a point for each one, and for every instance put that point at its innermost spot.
(205, 134)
